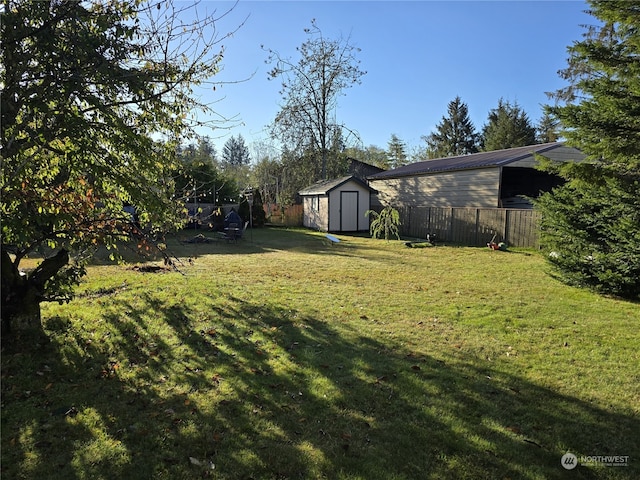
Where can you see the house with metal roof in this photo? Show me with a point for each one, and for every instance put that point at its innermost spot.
(500, 178)
(337, 205)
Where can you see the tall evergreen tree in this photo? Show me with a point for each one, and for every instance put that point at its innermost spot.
(454, 135)
(508, 126)
(396, 152)
(547, 130)
(235, 161)
(591, 225)
(235, 153)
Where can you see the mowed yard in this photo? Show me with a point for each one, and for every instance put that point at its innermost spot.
(284, 357)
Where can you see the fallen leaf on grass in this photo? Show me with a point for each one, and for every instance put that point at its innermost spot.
(202, 463)
(415, 367)
(533, 443)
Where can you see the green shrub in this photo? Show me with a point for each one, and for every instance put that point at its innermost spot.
(385, 223)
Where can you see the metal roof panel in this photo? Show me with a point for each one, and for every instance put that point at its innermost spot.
(495, 158)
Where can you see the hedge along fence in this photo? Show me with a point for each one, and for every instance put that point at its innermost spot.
(472, 226)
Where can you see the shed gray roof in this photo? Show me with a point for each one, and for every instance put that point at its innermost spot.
(496, 158)
(325, 186)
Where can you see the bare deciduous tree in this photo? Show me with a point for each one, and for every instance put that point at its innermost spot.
(310, 90)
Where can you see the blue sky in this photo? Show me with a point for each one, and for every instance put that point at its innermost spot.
(418, 55)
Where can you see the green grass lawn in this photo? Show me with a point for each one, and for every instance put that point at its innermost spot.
(284, 357)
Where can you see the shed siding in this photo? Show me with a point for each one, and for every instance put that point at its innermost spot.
(323, 203)
(335, 206)
(467, 188)
(312, 218)
(327, 217)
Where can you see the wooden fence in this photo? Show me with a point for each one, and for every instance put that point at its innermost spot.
(290, 216)
(471, 226)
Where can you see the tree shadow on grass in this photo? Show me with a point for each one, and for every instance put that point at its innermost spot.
(236, 390)
(179, 247)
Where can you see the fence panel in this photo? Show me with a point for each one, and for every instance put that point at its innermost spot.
(471, 226)
(440, 222)
(522, 228)
(291, 216)
(490, 222)
(419, 222)
(464, 226)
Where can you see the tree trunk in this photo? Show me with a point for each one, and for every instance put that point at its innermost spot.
(21, 297)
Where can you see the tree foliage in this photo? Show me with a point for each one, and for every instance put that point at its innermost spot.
(88, 91)
(591, 225)
(301, 170)
(396, 152)
(235, 161)
(255, 211)
(371, 155)
(235, 153)
(310, 90)
(199, 179)
(548, 129)
(508, 126)
(454, 135)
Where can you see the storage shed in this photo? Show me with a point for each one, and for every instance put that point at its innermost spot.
(337, 205)
(500, 178)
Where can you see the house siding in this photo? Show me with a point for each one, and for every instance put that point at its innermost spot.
(466, 188)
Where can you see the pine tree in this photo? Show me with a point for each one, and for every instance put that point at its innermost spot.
(508, 126)
(591, 225)
(235, 153)
(547, 129)
(396, 152)
(454, 135)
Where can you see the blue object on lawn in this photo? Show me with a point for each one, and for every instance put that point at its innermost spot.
(332, 239)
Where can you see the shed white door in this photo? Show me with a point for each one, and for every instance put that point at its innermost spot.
(349, 211)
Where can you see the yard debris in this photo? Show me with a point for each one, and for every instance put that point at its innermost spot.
(200, 238)
(151, 268)
(419, 244)
(497, 246)
(202, 463)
